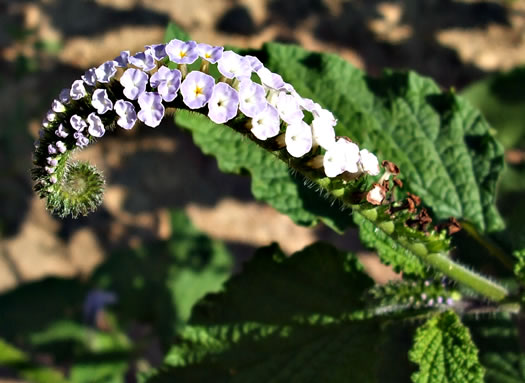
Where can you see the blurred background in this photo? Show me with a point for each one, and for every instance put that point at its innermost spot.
(476, 47)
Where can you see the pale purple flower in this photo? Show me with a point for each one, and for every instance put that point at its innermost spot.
(45, 122)
(134, 82)
(126, 111)
(210, 53)
(168, 83)
(233, 65)
(152, 110)
(270, 79)
(58, 107)
(50, 116)
(182, 52)
(96, 127)
(159, 76)
(77, 90)
(340, 157)
(252, 98)
(255, 63)
(369, 163)
(77, 123)
(143, 60)
(266, 124)
(223, 103)
(61, 146)
(439, 300)
(304, 103)
(101, 101)
(196, 89)
(89, 77)
(51, 149)
(63, 96)
(52, 161)
(106, 71)
(158, 51)
(298, 138)
(61, 131)
(122, 59)
(450, 301)
(53, 179)
(49, 169)
(288, 108)
(82, 141)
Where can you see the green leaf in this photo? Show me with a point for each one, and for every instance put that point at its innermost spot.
(160, 282)
(173, 31)
(498, 341)
(284, 319)
(444, 351)
(272, 181)
(20, 362)
(442, 145)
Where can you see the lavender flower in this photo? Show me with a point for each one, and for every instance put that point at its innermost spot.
(159, 76)
(106, 71)
(134, 82)
(255, 63)
(152, 110)
(298, 138)
(61, 147)
(52, 161)
(89, 77)
(58, 107)
(209, 52)
(158, 51)
(50, 116)
(61, 131)
(196, 89)
(143, 60)
(270, 79)
(182, 52)
(49, 169)
(53, 179)
(82, 141)
(223, 103)
(96, 127)
(77, 123)
(288, 108)
(77, 90)
(266, 124)
(101, 101)
(252, 98)
(169, 84)
(126, 111)
(63, 97)
(233, 65)
(122, 59)
(51, 149)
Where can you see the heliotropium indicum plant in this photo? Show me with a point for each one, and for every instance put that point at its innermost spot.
(408, 164)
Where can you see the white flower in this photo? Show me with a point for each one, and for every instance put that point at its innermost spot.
(369, 163)
(298, 138)
(288, 108)
(266, 124)
(341, 157)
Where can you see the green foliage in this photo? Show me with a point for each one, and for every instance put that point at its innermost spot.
(442, 145)
(444, 351)
(498, 341)
(18, 360)
(300, 318)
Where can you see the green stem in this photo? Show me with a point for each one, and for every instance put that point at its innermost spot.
(438, 260)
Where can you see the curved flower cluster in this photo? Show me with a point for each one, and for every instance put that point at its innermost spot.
(137, 87)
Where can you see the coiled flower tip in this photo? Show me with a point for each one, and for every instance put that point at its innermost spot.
(140, 87)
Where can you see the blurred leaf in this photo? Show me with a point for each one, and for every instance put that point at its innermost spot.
(173, 31)
(444, 351)
(298, 318)
(498, 341)
(18, 361)
(160, 282)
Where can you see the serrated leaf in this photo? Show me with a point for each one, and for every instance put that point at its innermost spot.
(444, 351)
(442, 145)
(272, 180)
(295, 319)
